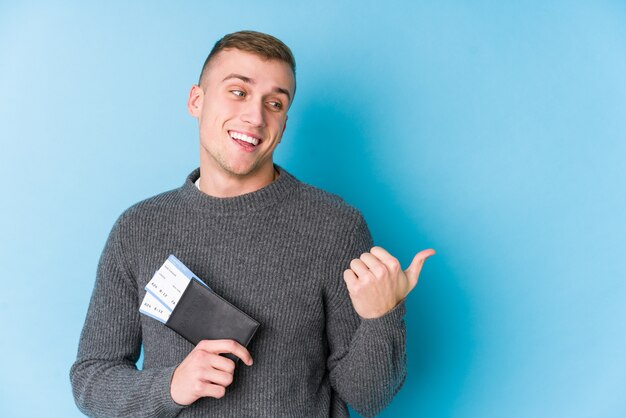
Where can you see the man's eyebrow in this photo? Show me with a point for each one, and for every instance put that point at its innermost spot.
(249, 80)
(240, 77)
(283, 91)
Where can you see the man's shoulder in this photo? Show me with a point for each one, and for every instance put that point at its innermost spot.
(152, 207)
(321, 202)
(316, 195)
(326, 219)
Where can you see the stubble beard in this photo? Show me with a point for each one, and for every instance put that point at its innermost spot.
(228, 168)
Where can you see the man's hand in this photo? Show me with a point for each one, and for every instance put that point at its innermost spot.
(376, 282)
(204, 372)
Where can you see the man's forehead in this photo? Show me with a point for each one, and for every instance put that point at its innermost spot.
(246, 64)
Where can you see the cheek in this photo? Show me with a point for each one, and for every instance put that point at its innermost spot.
(278, 124)
(213, 119)
(218, 106)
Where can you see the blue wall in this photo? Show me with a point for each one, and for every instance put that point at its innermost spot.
(492, 131)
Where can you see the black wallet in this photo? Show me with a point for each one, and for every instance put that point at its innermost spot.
(201, 314)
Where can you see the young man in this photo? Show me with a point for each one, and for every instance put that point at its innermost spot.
(297, 259)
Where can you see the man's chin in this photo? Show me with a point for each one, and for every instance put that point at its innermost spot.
(250, 168)
(243, 170)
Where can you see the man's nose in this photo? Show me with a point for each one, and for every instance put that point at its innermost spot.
(253, 113)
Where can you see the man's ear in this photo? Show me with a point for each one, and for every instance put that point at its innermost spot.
(195, 100)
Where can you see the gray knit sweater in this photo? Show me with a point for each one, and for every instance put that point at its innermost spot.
(278, 254)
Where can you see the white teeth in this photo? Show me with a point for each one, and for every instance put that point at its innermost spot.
(245, 138)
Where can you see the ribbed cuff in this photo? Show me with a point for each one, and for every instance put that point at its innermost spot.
(389, 321)
(164, 404)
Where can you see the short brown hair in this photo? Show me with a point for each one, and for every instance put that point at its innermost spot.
(261, 44)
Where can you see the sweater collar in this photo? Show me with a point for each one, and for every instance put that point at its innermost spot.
(271, 194)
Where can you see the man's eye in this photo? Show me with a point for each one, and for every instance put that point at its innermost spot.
(276, 105)
(238, 93)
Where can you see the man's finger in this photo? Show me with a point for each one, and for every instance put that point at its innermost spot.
(359, 268)
(413, 272)
(371, 261)
(384, 256)
(218, 377)
(222, 363)
(212, 390)
(350, 278)
(226, 346)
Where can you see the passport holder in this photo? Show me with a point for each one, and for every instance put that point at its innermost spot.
(201, 314)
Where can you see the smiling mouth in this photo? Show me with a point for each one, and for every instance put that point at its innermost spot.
(238, 136)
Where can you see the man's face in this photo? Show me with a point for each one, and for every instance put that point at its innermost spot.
(241, 108)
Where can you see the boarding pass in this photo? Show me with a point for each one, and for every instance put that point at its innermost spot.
(165, 288)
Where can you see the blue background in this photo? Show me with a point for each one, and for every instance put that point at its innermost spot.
(492, 131)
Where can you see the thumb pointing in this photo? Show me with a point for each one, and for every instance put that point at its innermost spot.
(413, 272)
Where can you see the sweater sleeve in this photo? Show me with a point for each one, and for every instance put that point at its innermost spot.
(105, 379)
(367, 360)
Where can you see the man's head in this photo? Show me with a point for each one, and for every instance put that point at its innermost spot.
(246, 87)
(257, 43)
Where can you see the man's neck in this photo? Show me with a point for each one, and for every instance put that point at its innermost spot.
(223, 185)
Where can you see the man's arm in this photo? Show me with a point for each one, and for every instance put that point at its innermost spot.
(367, 362)
(105, 380)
